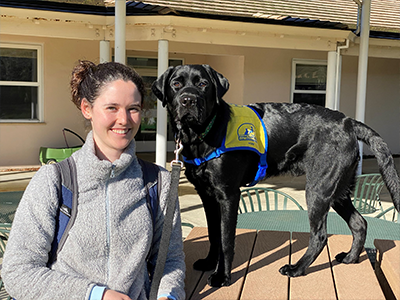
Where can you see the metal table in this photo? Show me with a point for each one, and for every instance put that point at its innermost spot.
(297, 221)
(8, 205)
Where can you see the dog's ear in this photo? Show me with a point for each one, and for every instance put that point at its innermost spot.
(158, 86)
(220, 82)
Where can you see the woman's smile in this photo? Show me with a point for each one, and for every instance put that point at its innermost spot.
(120, 131)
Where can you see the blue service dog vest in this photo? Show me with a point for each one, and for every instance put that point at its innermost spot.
(245, 131)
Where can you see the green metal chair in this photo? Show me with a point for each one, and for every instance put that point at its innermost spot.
(4, 233)
(185, 233)
(366, 193)
(263, 199)
(386, 213)
(186, 224)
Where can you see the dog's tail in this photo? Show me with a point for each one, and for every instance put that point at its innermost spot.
(384, 158)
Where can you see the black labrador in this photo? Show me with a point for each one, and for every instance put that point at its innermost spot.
(302, 139)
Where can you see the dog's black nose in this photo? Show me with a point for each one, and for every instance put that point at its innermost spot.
(188, 100)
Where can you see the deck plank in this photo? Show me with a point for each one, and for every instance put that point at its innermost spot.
(318, 282)
(353, 281)
(195, 247)
(271, 251)
(244, 245)
(387, 267)
(255, 274)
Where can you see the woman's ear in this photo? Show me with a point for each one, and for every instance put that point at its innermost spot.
(86, 109)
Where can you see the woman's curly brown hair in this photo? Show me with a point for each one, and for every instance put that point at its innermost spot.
(88, 79)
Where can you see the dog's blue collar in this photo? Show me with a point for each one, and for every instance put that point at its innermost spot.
(262, 165)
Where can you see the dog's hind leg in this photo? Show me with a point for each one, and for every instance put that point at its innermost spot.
(358, 227)
(318, 208)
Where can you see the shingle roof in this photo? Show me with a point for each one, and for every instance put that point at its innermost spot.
(385, 14)
(337, 14)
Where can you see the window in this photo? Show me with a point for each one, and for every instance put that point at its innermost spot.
(20, 83)
(147, 68)
(309, 81)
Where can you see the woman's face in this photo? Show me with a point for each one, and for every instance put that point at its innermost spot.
(115, 116)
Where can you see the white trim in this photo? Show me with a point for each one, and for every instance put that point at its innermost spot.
(39, 83)
(296, 61)
(120, 31)
(361, 97)
(162, 115)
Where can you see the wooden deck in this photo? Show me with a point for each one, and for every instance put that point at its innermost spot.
(387, 267)
(258, 257)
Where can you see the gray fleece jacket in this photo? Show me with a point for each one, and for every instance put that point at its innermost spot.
(108, 243)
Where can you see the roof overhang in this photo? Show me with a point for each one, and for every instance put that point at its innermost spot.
(154, 26)
(47, 23)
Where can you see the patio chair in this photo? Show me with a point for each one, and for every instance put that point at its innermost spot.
(4, 233)
(185, 233)
(366, 193)
(262, 199)
(186, 224)
(386, 214)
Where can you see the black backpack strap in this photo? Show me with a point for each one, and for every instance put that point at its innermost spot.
(68, 205)
(152, 179)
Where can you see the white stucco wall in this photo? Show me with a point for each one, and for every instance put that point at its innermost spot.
(255, 75)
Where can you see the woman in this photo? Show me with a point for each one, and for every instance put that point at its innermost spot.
(105, 254)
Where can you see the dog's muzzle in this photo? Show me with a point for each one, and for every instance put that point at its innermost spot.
(188, 100)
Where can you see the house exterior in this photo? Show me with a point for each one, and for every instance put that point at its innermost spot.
(269, 50)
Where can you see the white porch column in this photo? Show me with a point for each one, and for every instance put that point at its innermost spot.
(104, 51)
(161, 137)
(120, 21)
(331, 96)
(363, 69)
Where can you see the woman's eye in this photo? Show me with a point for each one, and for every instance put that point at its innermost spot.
(135, 109)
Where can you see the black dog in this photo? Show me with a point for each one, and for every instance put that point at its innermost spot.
(302, 139)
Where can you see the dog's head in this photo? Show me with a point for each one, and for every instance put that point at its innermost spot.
(191, 93)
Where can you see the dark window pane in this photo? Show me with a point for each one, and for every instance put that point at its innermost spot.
(18, 65)
(18, 102)
(149, 115)
(139, 62)
(148, 126)
(175, 62)
(310, 77)
(318, 99)
(149, 63)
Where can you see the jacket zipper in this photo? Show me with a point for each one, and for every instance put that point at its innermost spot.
(108, 229)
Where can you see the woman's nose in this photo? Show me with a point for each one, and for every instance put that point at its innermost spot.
(123, 116)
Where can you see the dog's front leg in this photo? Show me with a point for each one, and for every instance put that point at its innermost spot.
(222, 275)
(213, 216)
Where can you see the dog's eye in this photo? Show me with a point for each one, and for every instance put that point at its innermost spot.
(202, 84)
(177, 84)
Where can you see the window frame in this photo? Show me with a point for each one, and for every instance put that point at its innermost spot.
(295, 62)
(38, 83)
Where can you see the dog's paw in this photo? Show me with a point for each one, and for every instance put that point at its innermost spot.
(219, 279)
(291, 271)
(205, 265)
(346, 258)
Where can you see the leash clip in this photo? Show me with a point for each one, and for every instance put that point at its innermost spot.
(177, 151)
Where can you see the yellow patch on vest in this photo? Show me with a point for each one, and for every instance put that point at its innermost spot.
(245, 130)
